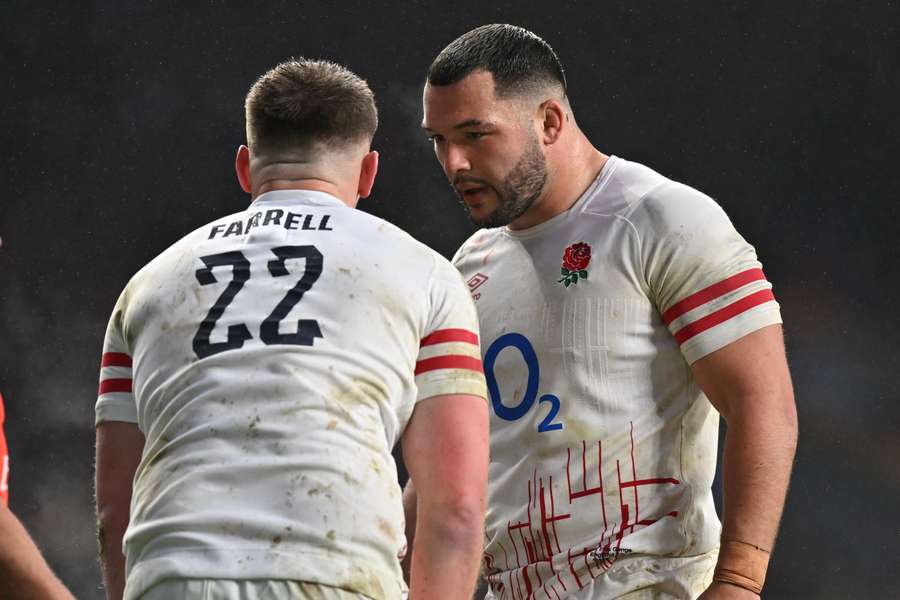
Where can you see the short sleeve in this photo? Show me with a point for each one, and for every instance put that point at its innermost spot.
(449, 359)
(704, 277)
(115, 401)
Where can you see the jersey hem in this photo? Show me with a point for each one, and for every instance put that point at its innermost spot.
(309, 567)
(108, 409)
(638, 573)
(471, 387)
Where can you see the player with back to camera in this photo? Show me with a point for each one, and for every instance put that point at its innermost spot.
(257, 373)
(621, 314)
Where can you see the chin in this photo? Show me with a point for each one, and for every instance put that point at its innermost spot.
(488, 221)
(478, 216)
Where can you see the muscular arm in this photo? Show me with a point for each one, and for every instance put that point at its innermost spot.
(23, 571)
(749, 384)
(445, 448)
(119, 448)
(409, 511)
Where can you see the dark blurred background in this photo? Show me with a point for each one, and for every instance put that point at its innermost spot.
(120, 121)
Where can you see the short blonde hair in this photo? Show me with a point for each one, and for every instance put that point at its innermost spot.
(302, 102)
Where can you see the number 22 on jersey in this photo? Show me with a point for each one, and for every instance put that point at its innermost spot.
(307, 329)
(513, 413)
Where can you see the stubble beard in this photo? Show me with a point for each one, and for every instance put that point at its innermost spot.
(519, 189)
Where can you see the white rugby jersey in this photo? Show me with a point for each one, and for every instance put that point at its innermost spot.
(603, 447)
(272, 359)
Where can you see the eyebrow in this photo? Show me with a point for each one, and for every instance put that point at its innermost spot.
(464, 124)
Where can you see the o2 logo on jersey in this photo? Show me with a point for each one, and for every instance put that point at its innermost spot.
(513, 413)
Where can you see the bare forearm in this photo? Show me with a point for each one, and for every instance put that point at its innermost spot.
(759, 453)
(112, 561)
(758, 457)
(446, 558)
(23, 571)
(445, 447)
(410, 514)
(119, 450)
(749, 383)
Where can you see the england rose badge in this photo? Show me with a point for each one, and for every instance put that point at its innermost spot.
(575, 263)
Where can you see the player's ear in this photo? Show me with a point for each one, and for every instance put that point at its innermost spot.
(367, 171)
(552, 116)
(242, 167)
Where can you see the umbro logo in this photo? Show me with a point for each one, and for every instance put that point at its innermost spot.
(475, 282)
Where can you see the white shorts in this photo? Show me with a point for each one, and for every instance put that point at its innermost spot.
(245, 589)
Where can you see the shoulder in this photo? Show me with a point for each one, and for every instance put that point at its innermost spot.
(478, 241)
(672, 206)
(634, 191)
(385, 229)
(384, 236)
(178, 257)
(183, 248)
(621, 186)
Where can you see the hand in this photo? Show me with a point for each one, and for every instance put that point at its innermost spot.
(726, 591)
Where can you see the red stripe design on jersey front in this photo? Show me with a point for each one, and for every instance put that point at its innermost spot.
(111, 386)
(115, 359)
(453, 361)
(712, 292)
(442, 336)
(640, 482)
(723, 314)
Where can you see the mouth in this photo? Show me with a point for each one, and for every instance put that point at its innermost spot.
(474, 195)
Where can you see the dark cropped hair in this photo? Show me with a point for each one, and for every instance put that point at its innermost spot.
(302, 101)
(519, 60)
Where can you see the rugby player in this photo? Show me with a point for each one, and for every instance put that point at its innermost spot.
(256, 375)
(621, 314)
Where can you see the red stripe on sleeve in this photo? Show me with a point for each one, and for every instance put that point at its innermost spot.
(712, 292)
(110, 386)
(449, 335)
(453, 361)
(723, 314)
(115, 359)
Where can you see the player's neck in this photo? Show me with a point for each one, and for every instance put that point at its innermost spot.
(569, 176)
(309, 184)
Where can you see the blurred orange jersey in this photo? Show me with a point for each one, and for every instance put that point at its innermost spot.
(4, 456)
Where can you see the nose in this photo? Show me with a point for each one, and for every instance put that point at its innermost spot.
(455, 160)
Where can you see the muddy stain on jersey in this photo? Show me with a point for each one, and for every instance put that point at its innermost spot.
(386, 528)
(363, 582)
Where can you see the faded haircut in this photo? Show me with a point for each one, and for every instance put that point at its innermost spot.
(302, 102)
(520, 61)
